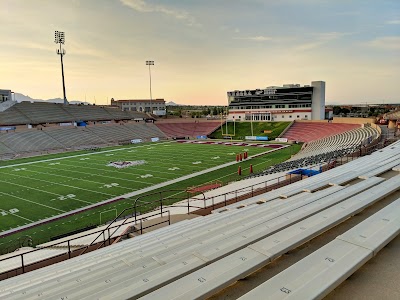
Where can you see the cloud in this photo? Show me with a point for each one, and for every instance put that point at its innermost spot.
(143, 7)
(258, 38)
(386, 43)
(320, 39)
(393, 22)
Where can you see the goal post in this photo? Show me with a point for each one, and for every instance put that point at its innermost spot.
(227, 134)
(109, 211)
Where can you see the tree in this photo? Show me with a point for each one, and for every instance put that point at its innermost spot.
(215, 111)
(336, 110)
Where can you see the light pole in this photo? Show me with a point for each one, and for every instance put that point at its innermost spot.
(150, 63)
(59, 38)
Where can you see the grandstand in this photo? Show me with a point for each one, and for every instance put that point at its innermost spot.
(24, 113)
(351, 139)
(312, 131)
(186, 129)
(32, 141)
(35, 128)
(197, 258)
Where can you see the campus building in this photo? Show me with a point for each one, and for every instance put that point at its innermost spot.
(279, 103)
(156, 106)
(5, 95)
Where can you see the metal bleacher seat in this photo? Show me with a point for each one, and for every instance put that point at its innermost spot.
(74, 137)
(12, 116)
(28, 141)
(319, 273)
(172, 255)
(240, 264)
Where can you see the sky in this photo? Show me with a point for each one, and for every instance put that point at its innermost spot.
(201, 49)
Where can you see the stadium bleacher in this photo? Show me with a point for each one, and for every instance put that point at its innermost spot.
(345, 140)
(75, 136)
(63, 138)
(12, 116)
(187, 129)
(42, 112)
(29, 141)
(311, 131)
(335, 262)
(198, 257)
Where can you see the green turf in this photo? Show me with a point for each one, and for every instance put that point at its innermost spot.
(242, 129)
(40, 189)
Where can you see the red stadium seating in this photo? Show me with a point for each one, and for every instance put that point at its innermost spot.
(188, 129)
(311, 131)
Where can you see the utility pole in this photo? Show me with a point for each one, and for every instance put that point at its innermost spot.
(150, 63)
(59, 38)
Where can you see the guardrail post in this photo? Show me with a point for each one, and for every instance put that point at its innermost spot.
(161, 205)
(69, 250)
(141, 226)
(22, 263)
(252, 191)
(225, 198)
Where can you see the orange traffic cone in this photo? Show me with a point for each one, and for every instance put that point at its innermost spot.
(251, 169)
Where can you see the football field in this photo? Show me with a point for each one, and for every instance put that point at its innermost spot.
(46, 187)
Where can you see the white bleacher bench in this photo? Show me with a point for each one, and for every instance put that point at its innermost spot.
(322, 271)
(229, 269)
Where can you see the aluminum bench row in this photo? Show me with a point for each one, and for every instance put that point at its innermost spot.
(151, 267)
(224, 272)
(322, 271)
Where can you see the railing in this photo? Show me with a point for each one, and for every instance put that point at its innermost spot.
(72, 251)
(160, 203)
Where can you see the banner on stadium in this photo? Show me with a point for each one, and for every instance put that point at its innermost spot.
(256, 138)
(7, 128)
(201, 137)
(136, 141)
(156, 139)
(66, 124)
(283, 140)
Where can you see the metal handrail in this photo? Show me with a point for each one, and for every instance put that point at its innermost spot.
(102, 231)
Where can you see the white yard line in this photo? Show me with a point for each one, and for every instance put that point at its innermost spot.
(23, 199)
(15, 215)
(74, 178)
(138, 192)
(53, 183)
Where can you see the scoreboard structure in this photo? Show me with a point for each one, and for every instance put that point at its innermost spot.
(279, 103)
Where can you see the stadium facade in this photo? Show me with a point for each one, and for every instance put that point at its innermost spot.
(279, 103)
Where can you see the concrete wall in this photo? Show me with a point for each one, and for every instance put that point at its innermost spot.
(354, 120)
(318, 100)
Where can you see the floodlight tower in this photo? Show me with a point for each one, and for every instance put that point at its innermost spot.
(150, 63)
(59, 38)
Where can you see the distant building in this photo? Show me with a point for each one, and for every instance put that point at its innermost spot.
(5, 95)
(279, 103)
(156, 106)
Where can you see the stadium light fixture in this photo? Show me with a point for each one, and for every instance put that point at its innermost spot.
(150, 63)
(59, 38)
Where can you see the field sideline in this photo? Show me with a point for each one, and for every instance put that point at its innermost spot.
(32, 191)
